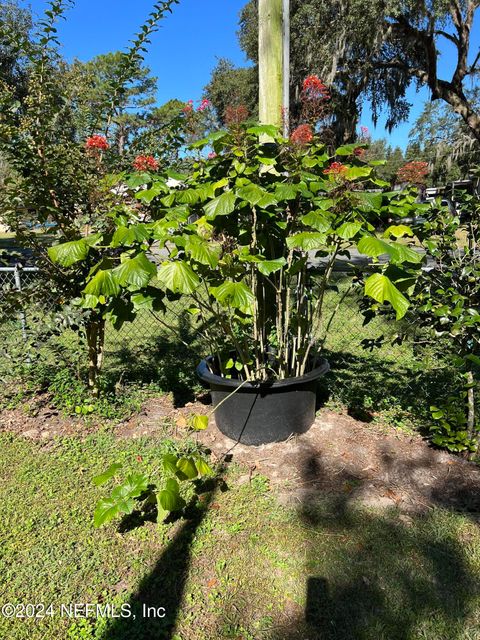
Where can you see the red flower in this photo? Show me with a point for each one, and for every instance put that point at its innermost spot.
(145, 163)
(302, 135)
(212, 155)
(359, 152)
(97, 142)
(336, 169)
(414, 172)
(313, 87)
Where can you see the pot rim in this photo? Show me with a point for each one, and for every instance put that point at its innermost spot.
(207, 376)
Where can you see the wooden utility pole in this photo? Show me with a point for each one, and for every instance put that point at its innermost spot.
(270, 61)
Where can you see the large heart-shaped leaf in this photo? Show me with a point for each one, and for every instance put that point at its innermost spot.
(306, 240)
(137, 271)
(221, 206)
(187, 467)
(266, 267)
(103, 283)
(234, 294)
(202, 251)
(348, 230)
(178, 276)
(69, 253)
(382, 289)
(317, 220)
(125, 236)
(105, 511)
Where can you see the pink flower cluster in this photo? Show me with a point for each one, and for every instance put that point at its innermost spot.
(204, 104)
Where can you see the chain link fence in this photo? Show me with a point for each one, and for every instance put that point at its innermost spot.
(344, 330)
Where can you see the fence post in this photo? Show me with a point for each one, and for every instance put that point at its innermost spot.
(18, 286)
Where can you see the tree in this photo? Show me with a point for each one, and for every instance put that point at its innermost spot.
(59, 179)
(15, 26)
(373, 51)
(94, 81)
(440, 137)
(232, 86)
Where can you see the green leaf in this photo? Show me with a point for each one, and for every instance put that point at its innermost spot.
(213, 137)
(306, 240)
(374, 247)
(369, 200)
(150, 298)
(200, 422)
(135, 484)
(348, 230)
(202, 251)
(221, 206)
(266, 267)
(346, 150)
(203, 468)
(286, 191)
(178, 276)
(137, 180)
(187, 467)
(137, 271)
(104, 477)
(68, 253)
(105, 511)
(188, 196)
(147, 195)
(169, 462)
(255, 195)
(125, 236)
(382, 289)
(317, 220)
(398, 231)
(103, 283)
(353, 173)
(170, 500)
(264, 129)
(234, 294)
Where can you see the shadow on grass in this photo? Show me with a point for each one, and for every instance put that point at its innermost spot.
(156, 603)
(394, 578)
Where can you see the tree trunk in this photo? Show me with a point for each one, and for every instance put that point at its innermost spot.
(95, 330)
(270, 61)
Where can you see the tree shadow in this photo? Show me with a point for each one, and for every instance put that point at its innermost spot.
(392, 580)
(155, 605)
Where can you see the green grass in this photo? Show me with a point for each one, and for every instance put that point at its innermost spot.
(241, 566)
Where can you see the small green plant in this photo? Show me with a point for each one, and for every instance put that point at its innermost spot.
(450, 429)
(160, 488)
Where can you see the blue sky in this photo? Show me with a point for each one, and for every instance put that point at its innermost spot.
(186, 48)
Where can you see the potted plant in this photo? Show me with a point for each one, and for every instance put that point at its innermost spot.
(251, 236)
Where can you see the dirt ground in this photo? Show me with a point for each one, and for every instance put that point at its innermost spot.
(365, 464)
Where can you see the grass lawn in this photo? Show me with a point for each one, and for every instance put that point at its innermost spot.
(241, 566)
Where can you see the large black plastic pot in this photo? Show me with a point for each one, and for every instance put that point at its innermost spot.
(263, 412)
